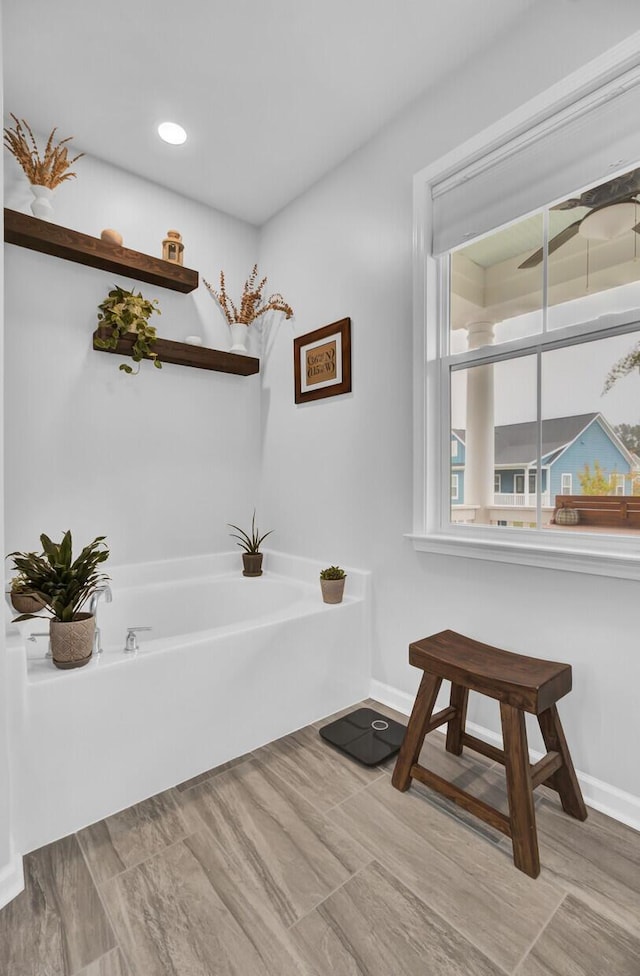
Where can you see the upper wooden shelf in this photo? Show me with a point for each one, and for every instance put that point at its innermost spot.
(61, 242)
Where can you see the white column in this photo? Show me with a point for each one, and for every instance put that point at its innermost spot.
(480, 442)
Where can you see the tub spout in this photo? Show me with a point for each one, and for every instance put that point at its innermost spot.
(104, 591)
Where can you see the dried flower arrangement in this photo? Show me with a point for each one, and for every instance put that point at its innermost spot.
(252, 304)
(52, 168)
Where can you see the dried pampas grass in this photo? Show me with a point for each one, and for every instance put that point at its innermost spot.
(52, 168)
(252, 305)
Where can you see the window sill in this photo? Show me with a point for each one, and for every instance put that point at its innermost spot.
(595, 561)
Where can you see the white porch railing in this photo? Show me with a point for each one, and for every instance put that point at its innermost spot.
(520, 500)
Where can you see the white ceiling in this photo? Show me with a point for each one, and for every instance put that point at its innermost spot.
(273, 93)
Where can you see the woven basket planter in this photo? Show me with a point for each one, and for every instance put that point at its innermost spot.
(252, 562)
(567, 516)
(332, 590)
(72, 642)
(26, 602)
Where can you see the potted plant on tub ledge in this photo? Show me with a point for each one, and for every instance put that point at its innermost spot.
(332, 584)
(251, 557)
(63, 585)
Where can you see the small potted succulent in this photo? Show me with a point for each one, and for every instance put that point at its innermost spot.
(125, 312)
(251, 557)
(22, 597)
(332, 583)
(63, 585)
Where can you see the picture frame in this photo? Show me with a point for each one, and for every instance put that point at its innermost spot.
(322, 362)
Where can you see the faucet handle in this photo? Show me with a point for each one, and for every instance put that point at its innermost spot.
(131, 642)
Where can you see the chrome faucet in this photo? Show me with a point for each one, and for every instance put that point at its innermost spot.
(132, 641)
(93, 609)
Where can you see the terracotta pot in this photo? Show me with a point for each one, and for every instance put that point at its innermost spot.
(72, 642)
(26, 602)
(252, 562)
(332, 590)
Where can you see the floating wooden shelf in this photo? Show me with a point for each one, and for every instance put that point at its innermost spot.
(61, 242)
(184, 354)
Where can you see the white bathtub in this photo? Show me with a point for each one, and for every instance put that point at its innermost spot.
(230, 664)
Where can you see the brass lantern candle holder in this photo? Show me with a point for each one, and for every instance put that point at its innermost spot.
(173, 248)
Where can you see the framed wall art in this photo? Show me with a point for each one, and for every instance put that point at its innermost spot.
(322, 362)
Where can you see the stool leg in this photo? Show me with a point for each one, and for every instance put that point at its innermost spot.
(455, 728)
(416, 730)
(520, 792)
(564, 780)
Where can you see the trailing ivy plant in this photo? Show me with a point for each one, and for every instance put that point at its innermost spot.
(123, 311)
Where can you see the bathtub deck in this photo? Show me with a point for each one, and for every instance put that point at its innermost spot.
(294, 861)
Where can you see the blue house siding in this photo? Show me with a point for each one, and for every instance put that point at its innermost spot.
(593, 444)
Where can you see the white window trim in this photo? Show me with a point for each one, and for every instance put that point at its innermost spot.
(616, 556)
(455, 481)
(566, 474)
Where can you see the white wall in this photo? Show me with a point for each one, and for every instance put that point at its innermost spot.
(337, 474)
(159, 462)
(10, 866)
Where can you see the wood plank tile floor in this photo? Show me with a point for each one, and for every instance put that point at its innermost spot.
(294, 861)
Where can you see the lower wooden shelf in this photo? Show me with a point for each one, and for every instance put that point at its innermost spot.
(184, 354)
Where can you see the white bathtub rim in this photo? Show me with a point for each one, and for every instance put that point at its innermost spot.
(39, 670)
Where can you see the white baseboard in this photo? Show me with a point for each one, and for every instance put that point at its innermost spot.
(608, 799)
(11, 880)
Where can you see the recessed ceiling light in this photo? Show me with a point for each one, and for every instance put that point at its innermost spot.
(172, 132)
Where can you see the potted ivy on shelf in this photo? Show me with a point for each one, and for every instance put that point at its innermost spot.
(251, 557)
(63, 585)
(123, 312)
(332, 581)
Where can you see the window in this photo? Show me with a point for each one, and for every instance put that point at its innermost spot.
(454, 447)
(617, 484)
(522, 328)
(454, 487)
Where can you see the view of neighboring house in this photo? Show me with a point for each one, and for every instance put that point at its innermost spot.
(568, 445)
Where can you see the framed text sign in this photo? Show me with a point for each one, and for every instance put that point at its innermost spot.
(322, 362)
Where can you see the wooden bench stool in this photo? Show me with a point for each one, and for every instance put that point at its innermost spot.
(521, 684)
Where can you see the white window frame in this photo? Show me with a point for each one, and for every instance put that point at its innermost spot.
(497, 483)
(566, 477)
(617, 483)
(455, 487)
(454, 447)
(599, 554)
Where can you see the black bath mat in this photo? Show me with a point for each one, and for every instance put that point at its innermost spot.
(365, 735)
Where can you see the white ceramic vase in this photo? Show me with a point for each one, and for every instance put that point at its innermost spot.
(41, 204)
(238, 337)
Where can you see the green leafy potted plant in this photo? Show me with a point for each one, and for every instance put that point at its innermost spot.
(251, 557)
(122, 312)
(63, 585)
(332, 584)
(22, 597)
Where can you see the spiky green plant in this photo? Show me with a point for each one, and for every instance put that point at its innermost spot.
(122, 311)
(332, 573)
(250, 543)
(62, 583)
